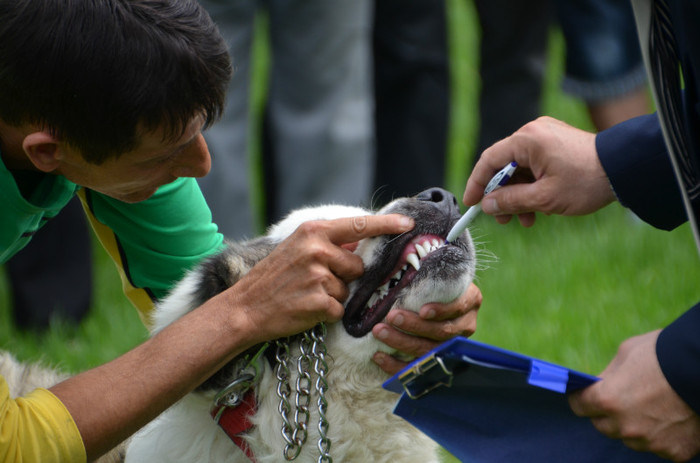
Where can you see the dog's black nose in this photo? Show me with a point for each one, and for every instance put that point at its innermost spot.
(442, 198)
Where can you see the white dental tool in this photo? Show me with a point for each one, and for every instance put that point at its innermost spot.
(498, 180)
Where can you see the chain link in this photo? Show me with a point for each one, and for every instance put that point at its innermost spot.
(312, 350)
(318, 352)
(302, 398)
(291, 450)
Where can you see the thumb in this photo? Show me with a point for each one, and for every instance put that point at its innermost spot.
(510, 200)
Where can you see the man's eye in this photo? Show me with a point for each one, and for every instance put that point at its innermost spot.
(164, 159)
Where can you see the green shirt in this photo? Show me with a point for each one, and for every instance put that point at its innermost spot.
(153, 242)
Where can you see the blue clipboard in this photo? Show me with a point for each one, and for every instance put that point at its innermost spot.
(485, 404)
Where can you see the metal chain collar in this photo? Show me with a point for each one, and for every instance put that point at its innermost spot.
(248, 375)
(312, 348)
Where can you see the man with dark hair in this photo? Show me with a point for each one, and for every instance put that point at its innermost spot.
(107, 99)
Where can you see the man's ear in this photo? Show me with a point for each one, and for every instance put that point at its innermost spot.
(43, 150)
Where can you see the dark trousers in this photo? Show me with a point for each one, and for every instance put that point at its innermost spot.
(513, 56)
(411, 86)
(51, 277)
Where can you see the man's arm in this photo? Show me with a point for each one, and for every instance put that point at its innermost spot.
(638, 166)
(301, 283)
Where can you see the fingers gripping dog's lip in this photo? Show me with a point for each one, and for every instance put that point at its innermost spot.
(381, 285)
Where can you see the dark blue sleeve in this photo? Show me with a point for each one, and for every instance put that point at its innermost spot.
(636, 162)
(635, 159)
(678, 351)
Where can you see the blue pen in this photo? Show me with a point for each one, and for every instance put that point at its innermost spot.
(498, 180)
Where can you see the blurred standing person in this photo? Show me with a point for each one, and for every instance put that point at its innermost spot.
(412, 96)
(513, 55)
(59, 259)
(604, 64)
(412, 84)
(317, 130)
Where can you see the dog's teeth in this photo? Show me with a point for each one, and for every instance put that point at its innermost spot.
(436, 244)
(373, 299)
(413, 260)
(397, 276)
(422, 252)
(384, 289)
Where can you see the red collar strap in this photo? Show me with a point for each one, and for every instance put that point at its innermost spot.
(236, 421)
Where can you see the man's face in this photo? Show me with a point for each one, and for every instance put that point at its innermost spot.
(136, 175)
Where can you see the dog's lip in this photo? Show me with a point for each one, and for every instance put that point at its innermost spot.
(410, 248)
(356, 320)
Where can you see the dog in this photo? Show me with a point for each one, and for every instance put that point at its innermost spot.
(357, 425)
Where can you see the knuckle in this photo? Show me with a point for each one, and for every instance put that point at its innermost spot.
(470, 329)
(477, 300)
(318, 252)
(311, 228)
(321, 277)
(450, 329)
(630, 430)
(544, 201)
(359, 224)
(355, 266)
(606, 404)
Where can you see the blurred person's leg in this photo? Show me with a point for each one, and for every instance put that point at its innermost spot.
(51, 278)
(603, 61)
(318, 126)
(412, 96)
(227, 186)
(513, 54)
(608, 112)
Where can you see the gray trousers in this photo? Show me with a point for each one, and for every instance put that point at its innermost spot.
(319, 134)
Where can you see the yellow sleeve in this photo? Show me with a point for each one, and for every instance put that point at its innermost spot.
(37, 428)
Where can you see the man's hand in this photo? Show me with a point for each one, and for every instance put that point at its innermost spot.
(558, 173)
(634, 402)
(415, 334)
(304, 279)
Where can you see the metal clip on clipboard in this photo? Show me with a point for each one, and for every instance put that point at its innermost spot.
(426, 375)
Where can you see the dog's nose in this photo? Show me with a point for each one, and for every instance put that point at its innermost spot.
(442, 198)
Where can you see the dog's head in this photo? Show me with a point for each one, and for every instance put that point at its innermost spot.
(414, 268)
(407, 270)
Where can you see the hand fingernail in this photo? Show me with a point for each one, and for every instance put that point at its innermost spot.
(428, 314)
(383, 334)
(378, 359)
(406, 222)
(397, 320)
(490, 206)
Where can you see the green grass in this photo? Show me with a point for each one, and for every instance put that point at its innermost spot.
(568, 290)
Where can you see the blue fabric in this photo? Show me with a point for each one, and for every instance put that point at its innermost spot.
(603, 58)
(636, 161)
(496, 415)
(638, 167)
(677, 343)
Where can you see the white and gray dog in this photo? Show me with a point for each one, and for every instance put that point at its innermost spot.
(330, 394)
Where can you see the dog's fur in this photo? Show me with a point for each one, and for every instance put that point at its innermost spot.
(362, 426)
(23, 378)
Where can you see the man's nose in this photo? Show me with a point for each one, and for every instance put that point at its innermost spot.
(195, 161)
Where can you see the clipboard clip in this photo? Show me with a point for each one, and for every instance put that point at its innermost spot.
(427, 375)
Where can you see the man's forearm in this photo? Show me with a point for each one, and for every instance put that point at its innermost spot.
(112, 401)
